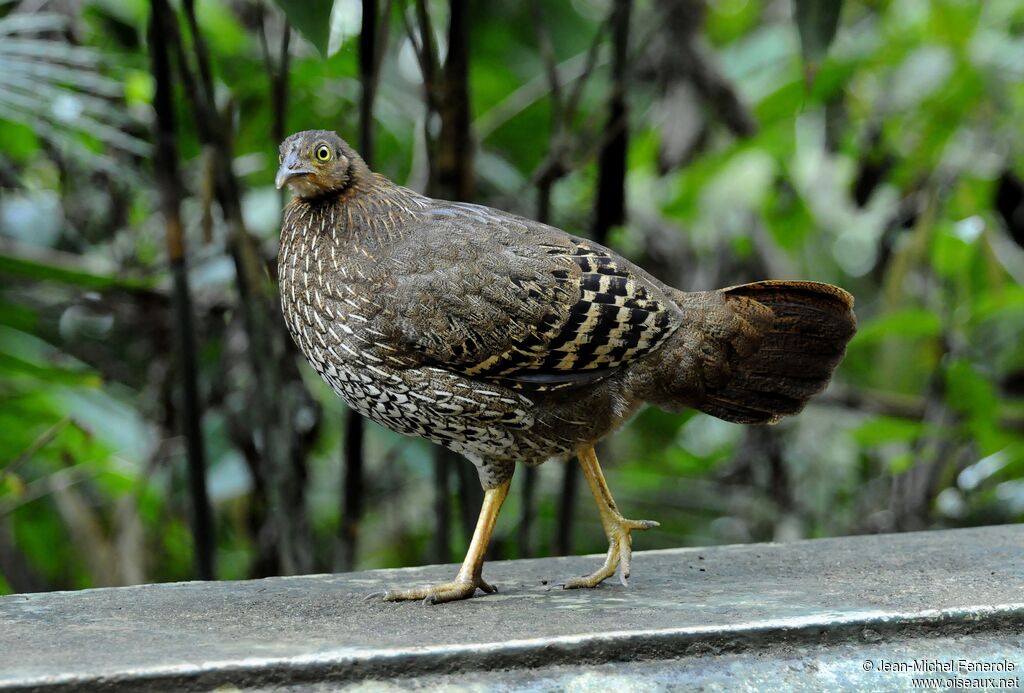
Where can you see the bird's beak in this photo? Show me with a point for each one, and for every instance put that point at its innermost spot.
(290, 168)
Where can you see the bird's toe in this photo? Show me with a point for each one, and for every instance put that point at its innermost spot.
(620, 554)
(439, 594)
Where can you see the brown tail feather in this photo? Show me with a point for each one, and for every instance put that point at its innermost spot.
(803, 338)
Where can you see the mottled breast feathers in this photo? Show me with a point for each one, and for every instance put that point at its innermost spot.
(517, 302)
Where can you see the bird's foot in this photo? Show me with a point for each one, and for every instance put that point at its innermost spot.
(620, 553)
(459, 588)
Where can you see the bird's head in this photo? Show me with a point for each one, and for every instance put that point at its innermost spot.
(317, 163)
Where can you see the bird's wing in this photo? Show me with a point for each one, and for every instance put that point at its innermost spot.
(502, 298)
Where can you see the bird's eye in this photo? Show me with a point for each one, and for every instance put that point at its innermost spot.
(323, 153)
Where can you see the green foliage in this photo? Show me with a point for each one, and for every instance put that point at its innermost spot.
(817, 21)
(61, 93)
(312, 18)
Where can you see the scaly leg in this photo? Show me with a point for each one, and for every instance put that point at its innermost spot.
(616, 527)
(470, 574)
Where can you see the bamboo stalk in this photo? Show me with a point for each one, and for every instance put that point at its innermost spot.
(165, 157)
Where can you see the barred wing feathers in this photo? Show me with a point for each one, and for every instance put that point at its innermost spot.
(517, 302)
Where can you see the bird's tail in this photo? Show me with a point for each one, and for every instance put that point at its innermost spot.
(800, 331)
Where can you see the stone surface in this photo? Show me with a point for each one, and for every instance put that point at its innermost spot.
(807, 614)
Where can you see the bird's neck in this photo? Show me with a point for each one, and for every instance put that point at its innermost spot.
(371, 213)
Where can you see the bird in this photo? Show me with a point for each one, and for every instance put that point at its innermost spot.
(509, 341)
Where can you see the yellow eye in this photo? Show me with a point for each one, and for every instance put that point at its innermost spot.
(323, 153)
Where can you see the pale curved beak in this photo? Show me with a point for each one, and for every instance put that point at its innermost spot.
(290, 168)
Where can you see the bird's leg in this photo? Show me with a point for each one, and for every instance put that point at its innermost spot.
(470, 574)
(616, 527)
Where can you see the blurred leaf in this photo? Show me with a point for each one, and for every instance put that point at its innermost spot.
(35, 269)
(912, 322)
(138, 87)
(12, 365)
(17, 316)
(60, 92)
(20, 142)
(223, 29)
(728, 20)
(817, 21)
(11, 485)
(897, 464)
(312, 19)
(886, 429)
(951, 254)
(968, 390)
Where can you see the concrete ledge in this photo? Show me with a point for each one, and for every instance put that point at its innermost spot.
(811, 611)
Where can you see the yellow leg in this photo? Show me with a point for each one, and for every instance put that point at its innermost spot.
(470, 576)
(616, 527)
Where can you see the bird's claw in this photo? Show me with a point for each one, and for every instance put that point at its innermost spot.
(459, 588)
(620, 554)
